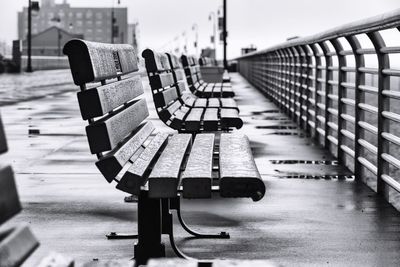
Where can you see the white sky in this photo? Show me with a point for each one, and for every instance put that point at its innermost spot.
(260, 22)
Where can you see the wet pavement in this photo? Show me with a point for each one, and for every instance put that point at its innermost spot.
(313, 212)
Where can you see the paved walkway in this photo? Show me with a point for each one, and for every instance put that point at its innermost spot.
(302, 220)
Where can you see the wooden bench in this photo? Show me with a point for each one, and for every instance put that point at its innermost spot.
(197, 84)
(178, 107)
(18, 242)
(212, 72)
(156, 167)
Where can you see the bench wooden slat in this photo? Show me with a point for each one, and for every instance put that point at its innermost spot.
(201, 103)
(208, 91)
(181, 87)
(179, 74)
(239, 176)
(178, 118)
(90, 61)
(174, 61)
(230, 118)
(128, 59)
(133, 179)
(155, 62)
(228, 103)
(227, 92)
(214, 103)
(161, 80)
(9, 200)
(16, 245)
(188, 99)
(197, 177)
(164, 178)
(165, 97)
(210, 119)
(193, 119)
(3, 139)
(112, 163)
(98, 101)
(166, 113)
(106, 133)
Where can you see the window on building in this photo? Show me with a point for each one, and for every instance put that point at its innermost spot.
(99, 15)
(79, 23)
(99, 22)
(89, 14)
(79, 15)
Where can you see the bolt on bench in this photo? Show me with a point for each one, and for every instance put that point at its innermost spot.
(177, 107)
(198, 86)
(156, 167)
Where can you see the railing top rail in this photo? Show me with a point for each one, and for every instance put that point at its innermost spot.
(380, 22)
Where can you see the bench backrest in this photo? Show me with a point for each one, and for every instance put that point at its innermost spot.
(167, 82)
(192, 70)
(207, 62)
(110, 101)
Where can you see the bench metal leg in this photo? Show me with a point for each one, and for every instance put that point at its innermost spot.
(167, 228)
(175, 204)
(149, 228)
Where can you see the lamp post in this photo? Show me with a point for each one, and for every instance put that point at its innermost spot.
(211, 17)
(113, 20)
(195, 28)
(32, 6)
(224, 34)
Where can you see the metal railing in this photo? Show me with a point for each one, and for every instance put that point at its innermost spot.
(343, 87)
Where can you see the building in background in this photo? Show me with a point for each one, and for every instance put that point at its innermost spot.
(95, 24)
(49, 42)
(248, 49)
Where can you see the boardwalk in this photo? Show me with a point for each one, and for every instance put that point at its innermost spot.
(313, 214)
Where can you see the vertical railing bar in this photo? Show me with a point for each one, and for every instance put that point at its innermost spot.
(383, 105)
(287, 85)
(359, 98)
(341, 94)
(328, 62)
(316, 71)
(297, 71)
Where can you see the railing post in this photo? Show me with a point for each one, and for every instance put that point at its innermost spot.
(286, 82)
(296, 82)
(317, 60)
(383, 105)
(341, 94)
(280, 82)
(328, 62)
(359, 98)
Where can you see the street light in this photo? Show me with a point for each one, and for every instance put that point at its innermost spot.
(32, 6)
(113, 20)
(212, 17)
(195, 28)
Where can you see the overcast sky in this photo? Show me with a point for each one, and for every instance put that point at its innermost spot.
(259, 22)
